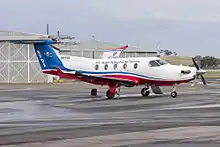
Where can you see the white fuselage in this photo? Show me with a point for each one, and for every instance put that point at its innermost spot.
(165, 72)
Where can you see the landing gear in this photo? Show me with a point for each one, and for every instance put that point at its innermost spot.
(145, 91)
(118, 89)
(109, 94)
(114, 89)
(94, 92)
(173, 93)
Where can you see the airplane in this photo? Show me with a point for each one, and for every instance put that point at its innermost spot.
(114, 52)
(150, 72)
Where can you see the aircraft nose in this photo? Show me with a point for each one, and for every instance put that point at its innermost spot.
(193, 70)
(189, 72)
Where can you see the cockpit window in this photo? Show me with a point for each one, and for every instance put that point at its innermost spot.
(161, 62)
(153, 64)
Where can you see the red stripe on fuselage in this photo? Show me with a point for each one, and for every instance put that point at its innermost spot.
(142, 81)
(137, 80)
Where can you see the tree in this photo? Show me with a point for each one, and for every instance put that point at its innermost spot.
(198, 58)
(210, 62)
(207, 61)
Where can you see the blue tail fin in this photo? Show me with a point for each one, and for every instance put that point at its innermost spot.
(46, 55)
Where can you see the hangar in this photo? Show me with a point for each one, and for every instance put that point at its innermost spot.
(94, 49)
(19, 64)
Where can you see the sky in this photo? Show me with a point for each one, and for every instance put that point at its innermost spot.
(188, 27)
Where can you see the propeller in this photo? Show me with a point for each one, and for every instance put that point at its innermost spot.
(199, 71)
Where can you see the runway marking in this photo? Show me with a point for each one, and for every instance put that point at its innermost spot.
(184, 133)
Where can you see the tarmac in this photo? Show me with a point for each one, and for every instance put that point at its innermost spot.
(65, 115)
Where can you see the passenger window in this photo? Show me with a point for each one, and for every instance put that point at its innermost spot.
(106, 66)
(135, 65)
(153, 64)
(96, 67)
(115, 66)
(125, 66)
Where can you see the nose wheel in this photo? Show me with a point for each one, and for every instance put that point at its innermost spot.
(173, 93)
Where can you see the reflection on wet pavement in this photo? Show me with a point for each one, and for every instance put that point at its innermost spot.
(32, 111)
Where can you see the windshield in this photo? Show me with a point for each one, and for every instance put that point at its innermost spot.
(153, 64)
(162, 62)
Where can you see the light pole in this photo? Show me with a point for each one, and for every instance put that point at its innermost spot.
(93, 52)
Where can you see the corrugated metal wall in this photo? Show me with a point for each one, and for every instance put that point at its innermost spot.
(18, 64)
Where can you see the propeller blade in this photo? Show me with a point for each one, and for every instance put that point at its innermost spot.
(197, 67)
(203, 80)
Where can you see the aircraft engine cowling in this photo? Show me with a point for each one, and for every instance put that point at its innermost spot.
(185, 71)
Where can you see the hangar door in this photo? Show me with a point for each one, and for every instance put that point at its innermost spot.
(19, 64)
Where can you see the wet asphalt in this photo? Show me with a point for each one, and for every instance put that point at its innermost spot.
(66, 115)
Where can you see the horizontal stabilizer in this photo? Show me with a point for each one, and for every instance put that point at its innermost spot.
(59, 70)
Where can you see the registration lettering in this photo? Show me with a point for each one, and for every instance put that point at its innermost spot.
(41, 59)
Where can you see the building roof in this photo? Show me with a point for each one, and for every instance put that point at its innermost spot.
(101, 46)
(82, 44)
(12, 35)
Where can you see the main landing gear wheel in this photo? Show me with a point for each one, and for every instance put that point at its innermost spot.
(173, 94)
(94, 92)
(145, 91)
(110, 94)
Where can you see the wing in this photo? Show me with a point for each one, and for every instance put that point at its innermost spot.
(97, 78)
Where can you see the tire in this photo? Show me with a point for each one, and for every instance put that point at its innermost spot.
(145, 92)
(173, 94)
(94, 92)
(110, 95)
